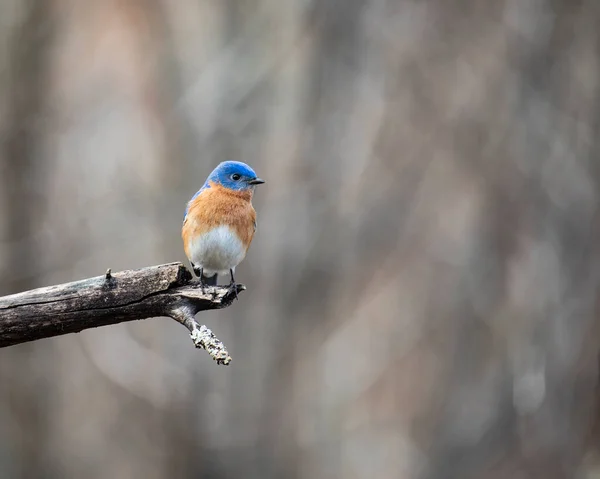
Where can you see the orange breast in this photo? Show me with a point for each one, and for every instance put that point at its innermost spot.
(217, 206)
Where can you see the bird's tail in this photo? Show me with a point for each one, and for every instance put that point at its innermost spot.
(210, 280)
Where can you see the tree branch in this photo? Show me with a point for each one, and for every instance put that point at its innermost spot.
(164, 290)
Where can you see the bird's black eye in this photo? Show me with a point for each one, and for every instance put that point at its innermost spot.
(235, 177)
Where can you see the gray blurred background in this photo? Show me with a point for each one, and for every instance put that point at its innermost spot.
(422, 287)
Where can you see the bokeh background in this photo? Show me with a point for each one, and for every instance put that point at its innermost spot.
(422, 287)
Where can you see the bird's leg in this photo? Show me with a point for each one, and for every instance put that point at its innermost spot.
(200, 273)
(201, 276)
(197, 271)
(232, 283)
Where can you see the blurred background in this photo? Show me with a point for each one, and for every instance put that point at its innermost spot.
(422, 287)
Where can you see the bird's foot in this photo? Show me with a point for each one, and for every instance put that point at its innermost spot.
(233, 287)
(199, 272)
(232, 284)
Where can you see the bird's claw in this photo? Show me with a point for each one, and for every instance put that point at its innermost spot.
(233, 286)
(202, 285)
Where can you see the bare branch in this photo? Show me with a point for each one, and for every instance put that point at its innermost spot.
(164, 290)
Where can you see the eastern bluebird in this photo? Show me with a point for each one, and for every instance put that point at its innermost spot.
(220, 221)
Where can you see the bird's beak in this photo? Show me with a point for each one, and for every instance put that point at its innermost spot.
(256, 181)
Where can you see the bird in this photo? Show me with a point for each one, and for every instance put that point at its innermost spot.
(219, 222)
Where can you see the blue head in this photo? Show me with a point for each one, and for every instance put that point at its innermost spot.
(234, 175)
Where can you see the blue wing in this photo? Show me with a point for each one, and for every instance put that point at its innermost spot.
(187, 206)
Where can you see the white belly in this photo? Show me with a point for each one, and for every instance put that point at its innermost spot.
(217, 251)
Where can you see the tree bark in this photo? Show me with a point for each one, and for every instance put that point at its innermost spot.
(164, 290)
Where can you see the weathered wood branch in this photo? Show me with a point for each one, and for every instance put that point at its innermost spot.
(164, 290)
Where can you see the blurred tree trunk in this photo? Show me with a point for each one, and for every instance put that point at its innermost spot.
(22, 185)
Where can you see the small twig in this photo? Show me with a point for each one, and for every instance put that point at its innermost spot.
(202, 336)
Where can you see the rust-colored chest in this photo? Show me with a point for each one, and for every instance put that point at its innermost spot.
(218, 206)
